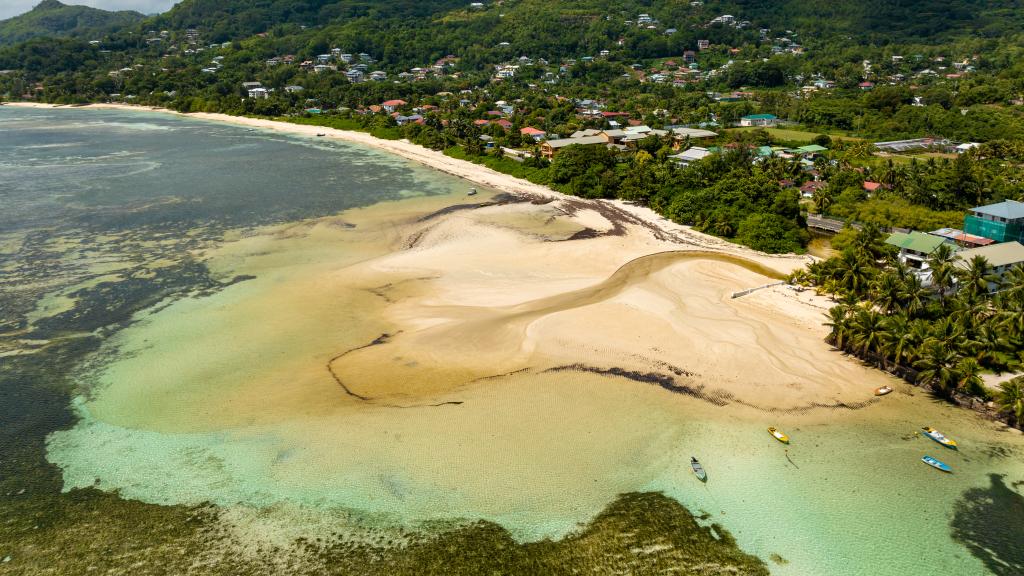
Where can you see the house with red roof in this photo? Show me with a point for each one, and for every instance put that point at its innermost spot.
(535, 133)
(870, 186)
(503, 123)
(392, 105)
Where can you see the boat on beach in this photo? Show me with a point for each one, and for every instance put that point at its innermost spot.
(937, 464)
(321, 134)
(883, 390)
(698, 469)
(472, 192)
(939, 437)
(775, 432)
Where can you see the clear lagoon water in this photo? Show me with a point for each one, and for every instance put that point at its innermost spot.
(154, 266)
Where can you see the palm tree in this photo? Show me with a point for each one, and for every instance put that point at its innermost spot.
(969, 375)
(854, 273)
(1011, 397)
(941, 264)
(869, 331)
(887, 291)
(915, 296)
(937, 366)
(1011, 285)
(840, 325)
(975, 278)
(895, 338)
(822, 199)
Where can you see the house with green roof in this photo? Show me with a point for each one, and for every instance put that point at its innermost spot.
(811, 149)
(1002, 222)
(915, 247)
(759, 120)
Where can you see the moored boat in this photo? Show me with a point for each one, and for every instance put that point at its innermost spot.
(778, 435)
(939, 437)
(937, 464)
(472, 192)
(698, 469)
(883, 390)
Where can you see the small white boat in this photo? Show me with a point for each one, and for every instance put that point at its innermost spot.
(882, 391)
(939, 437)
(778, 435)
(698, 469)
(472, 192)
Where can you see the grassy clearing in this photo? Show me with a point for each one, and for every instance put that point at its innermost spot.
(792, 135)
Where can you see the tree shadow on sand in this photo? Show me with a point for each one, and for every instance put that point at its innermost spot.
(990, 523)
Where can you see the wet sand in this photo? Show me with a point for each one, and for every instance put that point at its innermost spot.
(452, 358)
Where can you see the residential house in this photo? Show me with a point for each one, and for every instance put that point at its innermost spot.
(259, 93)
(807, 189)
(682, 135)
(392, 105)
(690, 155)
(293, 89)
(378, 76)
(1002, 222)
(413, 119)
(915, 248)
(759, 120)
(871, 187)
(549, 148)
(1001, 257)
(354, 75)
(535, 133)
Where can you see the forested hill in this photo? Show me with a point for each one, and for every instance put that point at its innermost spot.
(51, 18)
(886, 21)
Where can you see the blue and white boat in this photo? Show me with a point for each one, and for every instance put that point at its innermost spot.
(936, 464)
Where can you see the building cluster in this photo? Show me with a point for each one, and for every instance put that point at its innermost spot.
(995, 232)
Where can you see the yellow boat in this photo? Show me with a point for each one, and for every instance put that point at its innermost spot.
(778, 435)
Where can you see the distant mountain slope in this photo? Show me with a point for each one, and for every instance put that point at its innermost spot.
(230, 19)
(886, 20)
(51, 18)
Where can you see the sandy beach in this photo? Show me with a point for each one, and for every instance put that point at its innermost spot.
(473, 172)
(404, 356)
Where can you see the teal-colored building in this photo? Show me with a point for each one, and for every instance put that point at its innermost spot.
(1002, 222)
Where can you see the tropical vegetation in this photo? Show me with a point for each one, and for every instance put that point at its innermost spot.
(968, 322)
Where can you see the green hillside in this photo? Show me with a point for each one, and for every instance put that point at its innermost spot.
(51, 18)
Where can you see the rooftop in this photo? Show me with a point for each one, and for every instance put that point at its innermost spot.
(693, 133)
(1004, 254)
(582, 140)
(1009, 209)
(916, 241)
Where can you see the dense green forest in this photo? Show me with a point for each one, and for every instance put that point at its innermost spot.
(51, 18)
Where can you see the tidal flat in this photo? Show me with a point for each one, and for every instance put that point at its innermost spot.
(313, 357)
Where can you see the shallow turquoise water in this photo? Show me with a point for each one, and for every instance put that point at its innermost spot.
(851, 498)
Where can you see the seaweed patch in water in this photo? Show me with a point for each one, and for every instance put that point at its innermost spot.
(990, 523)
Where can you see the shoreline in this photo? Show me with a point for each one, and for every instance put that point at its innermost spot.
(475, 173)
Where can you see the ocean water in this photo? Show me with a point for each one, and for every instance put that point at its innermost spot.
(220, 270)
